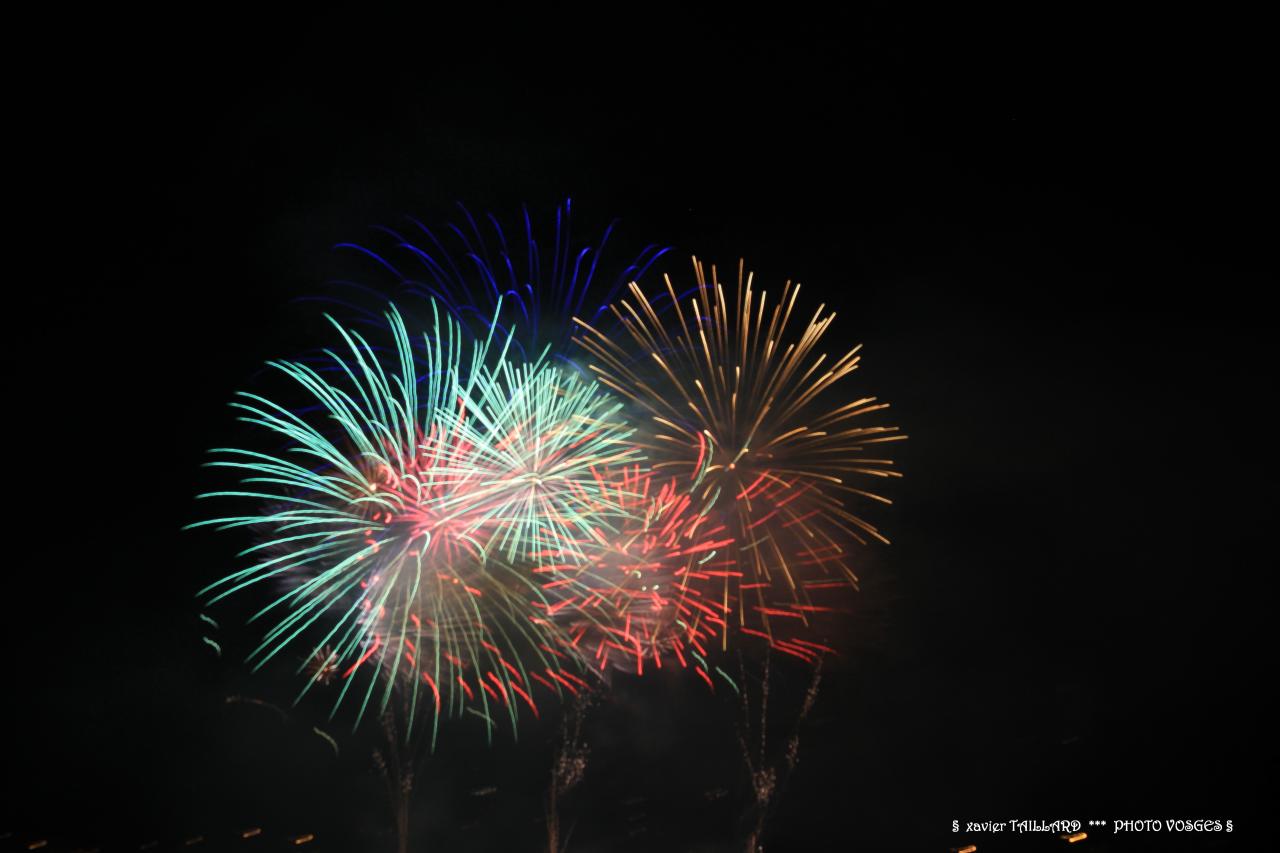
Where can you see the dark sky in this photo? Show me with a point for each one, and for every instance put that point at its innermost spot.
(1047, 228)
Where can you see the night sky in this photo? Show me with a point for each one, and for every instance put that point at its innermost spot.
(1047, 229)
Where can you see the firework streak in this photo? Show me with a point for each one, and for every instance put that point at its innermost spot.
(741, 415)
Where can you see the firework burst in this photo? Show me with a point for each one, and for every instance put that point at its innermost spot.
(743, 410)
(402, 515)
(529, 277)
(535, 458)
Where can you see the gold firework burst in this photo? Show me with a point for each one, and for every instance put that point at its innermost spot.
(742, 405)
(323, 665)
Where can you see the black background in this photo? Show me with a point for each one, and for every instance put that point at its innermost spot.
(1047, 228)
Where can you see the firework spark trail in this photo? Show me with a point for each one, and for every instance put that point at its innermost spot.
(404, 512)
(738, 403)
